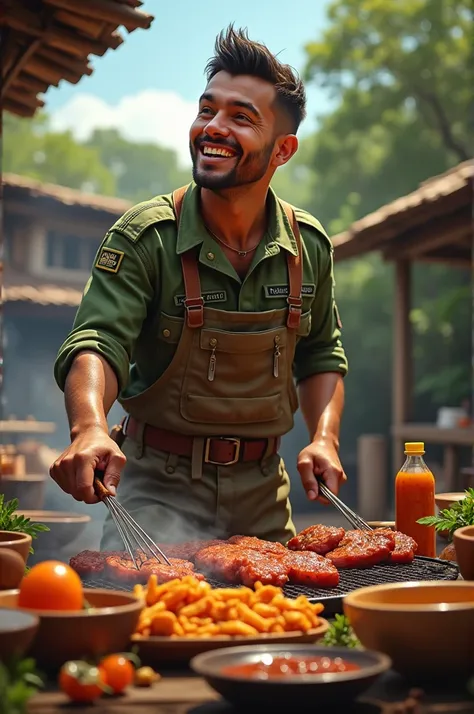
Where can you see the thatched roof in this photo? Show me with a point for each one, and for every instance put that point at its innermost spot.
(45, 41)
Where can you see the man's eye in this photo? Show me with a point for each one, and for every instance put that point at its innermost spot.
(242, 117)
(205, 110)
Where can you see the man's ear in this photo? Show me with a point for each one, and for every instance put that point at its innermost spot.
(286, 147)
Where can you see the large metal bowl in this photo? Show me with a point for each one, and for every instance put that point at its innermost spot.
(293, 691)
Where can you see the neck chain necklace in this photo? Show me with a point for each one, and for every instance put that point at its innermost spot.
(240, 253)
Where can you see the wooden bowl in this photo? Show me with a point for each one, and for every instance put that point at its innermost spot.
(382, 524)
(62, 636)
(17, 630)
(446, 500)
(19, 542)
(463, 539)
(424, 627)
(63, 527)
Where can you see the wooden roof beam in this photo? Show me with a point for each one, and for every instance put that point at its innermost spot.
(108, 11)
(438, 233)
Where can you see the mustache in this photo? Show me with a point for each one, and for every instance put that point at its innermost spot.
(233, 146)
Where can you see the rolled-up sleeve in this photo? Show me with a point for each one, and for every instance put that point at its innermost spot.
(113, 307)
(322, 350)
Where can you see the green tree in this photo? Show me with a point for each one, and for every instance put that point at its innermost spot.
(31, 149)
(142, 169)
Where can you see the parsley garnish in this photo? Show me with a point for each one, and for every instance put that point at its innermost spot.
(460, 514)
(340, 633)
(19, 681)
(13, 522)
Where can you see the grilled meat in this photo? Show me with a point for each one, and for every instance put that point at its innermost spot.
(310, 569)
(121, 568)
(186, 550)
(88, 563)
(318, 538)
(405, 546)
(362, 549)
(263, 546)
(236, 564)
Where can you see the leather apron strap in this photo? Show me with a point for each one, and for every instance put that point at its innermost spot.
(193, 301)
(295, 272)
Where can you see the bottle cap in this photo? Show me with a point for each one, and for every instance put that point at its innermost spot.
(414, 447)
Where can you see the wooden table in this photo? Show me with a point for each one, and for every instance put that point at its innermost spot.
(183, 693)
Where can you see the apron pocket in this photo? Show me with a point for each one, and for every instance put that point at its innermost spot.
(209, 410)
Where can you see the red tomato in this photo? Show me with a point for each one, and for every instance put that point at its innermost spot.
(81, 682)
(118, 672)
(51, 585)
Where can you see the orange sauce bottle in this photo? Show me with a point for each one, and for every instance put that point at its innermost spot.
(415, 498)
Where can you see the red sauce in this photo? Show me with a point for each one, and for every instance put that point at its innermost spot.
(277, 667)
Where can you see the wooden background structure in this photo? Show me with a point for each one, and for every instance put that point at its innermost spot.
(434, 224)
(45, 41)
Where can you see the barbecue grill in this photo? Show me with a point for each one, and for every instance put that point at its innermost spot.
(421, 568)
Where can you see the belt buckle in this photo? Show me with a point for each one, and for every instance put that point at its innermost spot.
(233, 440)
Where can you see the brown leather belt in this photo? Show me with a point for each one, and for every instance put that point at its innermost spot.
(218, 450)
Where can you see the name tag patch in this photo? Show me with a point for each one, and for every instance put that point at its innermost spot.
(215, 296)
(110, 260)
(276, 291)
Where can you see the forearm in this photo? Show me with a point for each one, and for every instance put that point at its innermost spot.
(322, 403)
(90, 390)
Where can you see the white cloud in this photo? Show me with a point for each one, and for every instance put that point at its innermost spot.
(151, 115)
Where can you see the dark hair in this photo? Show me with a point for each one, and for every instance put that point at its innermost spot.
(236, 54)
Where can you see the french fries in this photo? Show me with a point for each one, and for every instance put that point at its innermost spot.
(191, 608)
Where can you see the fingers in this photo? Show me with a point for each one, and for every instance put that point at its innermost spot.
(308, 479)
(113, 470)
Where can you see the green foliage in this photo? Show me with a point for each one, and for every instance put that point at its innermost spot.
(340, 633)
(16, 523)
(19, 681)
(460, 514)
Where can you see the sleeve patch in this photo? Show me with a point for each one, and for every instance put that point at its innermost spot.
(110, 260)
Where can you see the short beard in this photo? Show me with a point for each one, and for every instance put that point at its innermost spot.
(252, 169)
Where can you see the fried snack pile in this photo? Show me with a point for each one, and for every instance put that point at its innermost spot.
(188, 607)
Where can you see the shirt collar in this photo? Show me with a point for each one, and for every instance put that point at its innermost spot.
(192, 231)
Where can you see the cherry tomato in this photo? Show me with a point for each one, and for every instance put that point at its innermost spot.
(51, 585)
(81, 682)
(118, 672)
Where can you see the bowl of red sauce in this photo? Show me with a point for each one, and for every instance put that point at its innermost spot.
(281, 676)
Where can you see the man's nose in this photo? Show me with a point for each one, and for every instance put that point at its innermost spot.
(217, 126)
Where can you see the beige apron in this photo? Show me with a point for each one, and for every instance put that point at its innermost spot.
(231, 376)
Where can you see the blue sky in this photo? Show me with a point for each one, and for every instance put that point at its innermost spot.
(148, 87)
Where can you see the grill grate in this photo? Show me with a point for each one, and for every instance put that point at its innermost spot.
(351, 579)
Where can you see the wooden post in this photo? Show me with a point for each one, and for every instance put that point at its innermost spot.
(372, 478)
(402, 355)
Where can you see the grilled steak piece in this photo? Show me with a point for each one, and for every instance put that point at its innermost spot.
(362, 549)
(186, 550)
(405, 546)
(237, 564)
(318, 538)
(311, 569)
(121, 568)
(88, 563)
(263, 546)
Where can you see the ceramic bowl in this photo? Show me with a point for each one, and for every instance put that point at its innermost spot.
(463, 539)
(19, 542)
(30, 490)
(63, 527)
(424, 627)
(289, 692)
(446, 500)
(62, 636)
(17, 630)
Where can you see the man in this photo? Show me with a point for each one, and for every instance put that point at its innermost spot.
(203, 308)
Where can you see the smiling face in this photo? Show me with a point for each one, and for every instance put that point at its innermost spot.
(237, 137)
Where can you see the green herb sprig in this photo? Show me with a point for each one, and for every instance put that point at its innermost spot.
(460, 514)
(12, 521)
(19, 681)
(340, 633)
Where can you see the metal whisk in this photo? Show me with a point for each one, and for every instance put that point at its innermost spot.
(129, 530)
(355, 520)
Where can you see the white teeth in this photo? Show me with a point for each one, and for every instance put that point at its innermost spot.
(216, 152)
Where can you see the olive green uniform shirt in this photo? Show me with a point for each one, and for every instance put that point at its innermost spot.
(136, 290)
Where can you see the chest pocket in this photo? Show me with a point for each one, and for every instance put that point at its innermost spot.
(237, 378)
